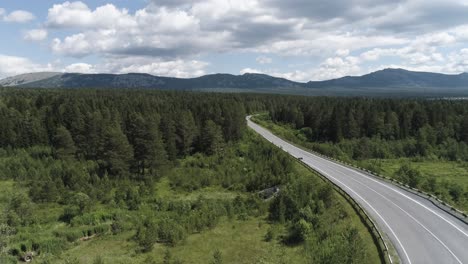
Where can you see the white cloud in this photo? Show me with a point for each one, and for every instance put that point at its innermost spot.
(249, 70)
(80, 68)
(78, 15)
(454, 63)
(166, 21)
(457, 61)
(153, 32)
(168, 33)
(342, 52)
(75, 45)
(183, 29)
(18, 16)
(12, 65)
(330, 68)
(171, 68)
(336, 67)
(264, 60)
(35, 35)
(421, 50)
(323, 43)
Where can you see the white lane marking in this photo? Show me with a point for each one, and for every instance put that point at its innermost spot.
(368, 177)
(365, 176)
(364, 200)
(360, 197)
(419, 223)
(404, 195)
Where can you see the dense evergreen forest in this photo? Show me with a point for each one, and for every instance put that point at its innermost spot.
(380, 133)
(126, 166)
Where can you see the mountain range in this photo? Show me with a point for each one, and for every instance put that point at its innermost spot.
(387, 82)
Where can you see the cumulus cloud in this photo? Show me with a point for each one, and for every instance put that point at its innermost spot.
(12, 65)
(342, 52)
(171, 33)
(80, 68)
(214, 25)
(330, 68)
(78, 15)
(35, 35)
(170, 68)
(335, 67)
(75, 45)
(18, 16)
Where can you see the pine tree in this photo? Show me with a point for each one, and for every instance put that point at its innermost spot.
(211, 138)
(464, 129)
(94, 135)
(186, 133)
(392, 126)
(115, 152)
(147, 145)
(64, 145)
(234, 121)
(352, 127)
(168, 131)
(336, 125)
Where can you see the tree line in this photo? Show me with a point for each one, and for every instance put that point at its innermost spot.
(381, 128)
(125, 132)
(368, 131)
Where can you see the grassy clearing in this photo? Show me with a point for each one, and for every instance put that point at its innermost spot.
(112, 249)
(450, 171)
(163, 190)
(448, 177)
(238, 242)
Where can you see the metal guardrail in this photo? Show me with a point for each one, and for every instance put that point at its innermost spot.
(376, 234)
(461, 215)
(382, 245)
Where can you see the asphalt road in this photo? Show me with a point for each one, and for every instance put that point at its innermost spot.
(420, 231)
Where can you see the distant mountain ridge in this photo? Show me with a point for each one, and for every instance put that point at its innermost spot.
(142, 80)
(27, 78)
(387, 81)
(398, 78)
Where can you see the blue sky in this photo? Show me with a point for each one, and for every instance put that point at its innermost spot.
(300, 40)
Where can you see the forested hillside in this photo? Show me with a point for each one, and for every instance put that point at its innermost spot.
(100, 176)
(387, 82)
(423, 143)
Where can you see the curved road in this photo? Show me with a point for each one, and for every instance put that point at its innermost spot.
(420, 231)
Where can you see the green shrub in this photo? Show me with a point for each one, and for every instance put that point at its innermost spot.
(71, 235)
(98, 260)
(93, 218)
(51, 245)
(8, 259)
(409, 175)
(101, 229)
(271, 234)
